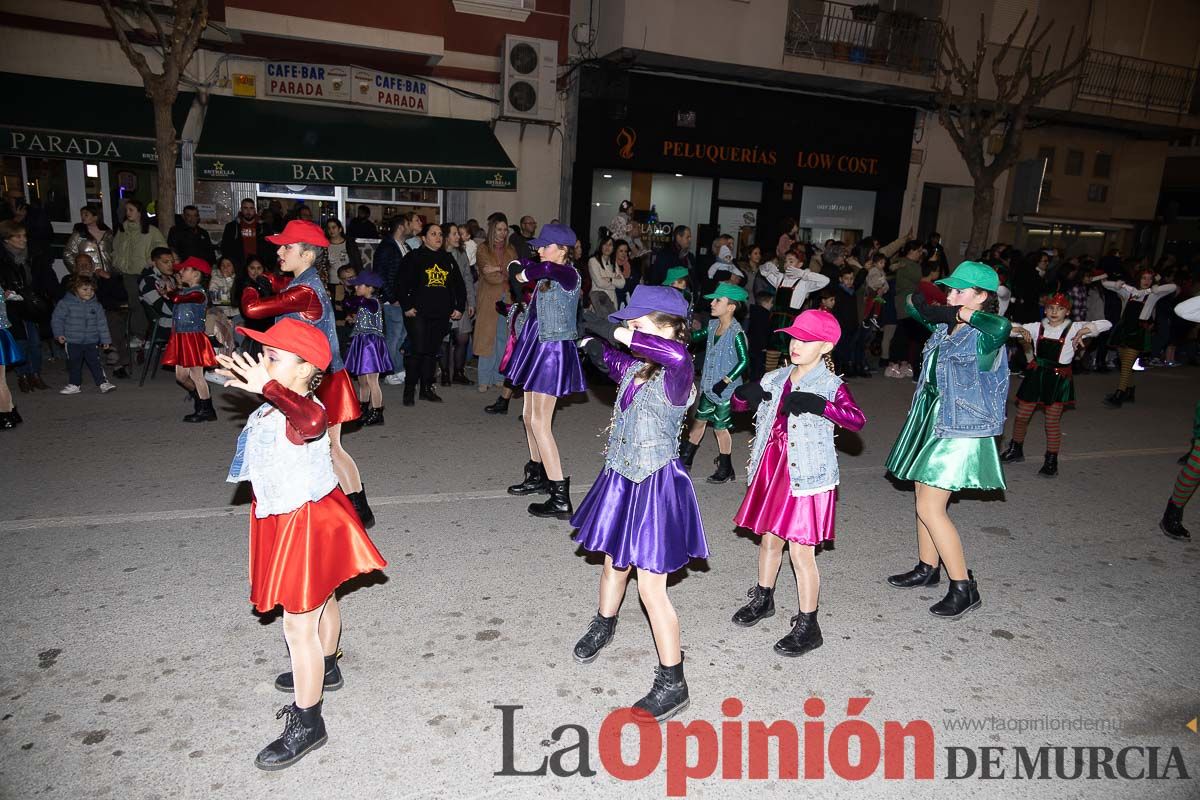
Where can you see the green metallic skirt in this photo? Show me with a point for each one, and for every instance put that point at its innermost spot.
(950, 464)
(719, 414)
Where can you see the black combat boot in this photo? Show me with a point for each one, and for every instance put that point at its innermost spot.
(1014, 453)
(558, 504)
(724, 472)
(687, 452)
(359, 500)
(599, 633)
(1115, 399)
(962, 597)
(1172, 523)
(498, 407)
(535, 480)
(1049, 466)
(284, 682)
(303, 732)
(204, 412)
(668, 696)
(1131, 394)
(761, 606)
(805, 636)
(921, 575)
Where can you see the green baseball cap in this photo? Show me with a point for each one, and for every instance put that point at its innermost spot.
(729, 291)
(674, 274)
(972, 275)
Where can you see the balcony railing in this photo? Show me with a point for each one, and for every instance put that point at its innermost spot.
(1126, 81)
(863, 34)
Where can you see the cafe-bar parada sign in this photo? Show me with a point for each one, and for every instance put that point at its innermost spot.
(392, 92)
(308, 81)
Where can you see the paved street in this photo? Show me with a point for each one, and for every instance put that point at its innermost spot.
(136, 669)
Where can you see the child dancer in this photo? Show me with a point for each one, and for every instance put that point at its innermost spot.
(1132, 333)
(80, 325)
(793, 284)
(368, 355)
(946, 444)
(725, 361)
(10, 353)
(642, 510)
(188, 349)
(1185, 483)
(304, 252)
(305, 536)
(1049, 382)
(793, 473)
(545, 364)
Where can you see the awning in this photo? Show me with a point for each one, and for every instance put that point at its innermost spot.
(54, 118)
(268, 141)
(1086, 224)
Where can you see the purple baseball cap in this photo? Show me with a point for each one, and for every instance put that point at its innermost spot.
(648, 299)
(366, 278)
(554, 234)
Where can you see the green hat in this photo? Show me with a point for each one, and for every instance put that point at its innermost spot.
(972, 275)
(674, 274)
(730, 291)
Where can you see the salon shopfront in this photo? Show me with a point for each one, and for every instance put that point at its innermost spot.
(727, 158)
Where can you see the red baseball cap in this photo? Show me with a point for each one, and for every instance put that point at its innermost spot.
(301, 231)
(814, 325)
(1059, 299)
(192, 262)
(296, 337)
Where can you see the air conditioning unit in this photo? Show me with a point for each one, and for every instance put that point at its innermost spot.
(530, 71)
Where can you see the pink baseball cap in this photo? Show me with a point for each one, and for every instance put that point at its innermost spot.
(814, 325)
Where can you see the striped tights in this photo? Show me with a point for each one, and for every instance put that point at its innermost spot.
(1053, 414)
(1127, 355)
(1189, 476)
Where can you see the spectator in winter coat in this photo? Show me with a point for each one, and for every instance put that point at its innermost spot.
(135, 239)
(78, 324)
(189, 239)
(245, 237)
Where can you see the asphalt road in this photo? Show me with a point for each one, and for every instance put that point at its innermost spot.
(135, 667)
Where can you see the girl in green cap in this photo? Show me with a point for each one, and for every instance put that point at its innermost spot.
(947, 442)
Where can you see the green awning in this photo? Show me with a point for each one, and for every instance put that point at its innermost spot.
(268, 141)
(54, 118)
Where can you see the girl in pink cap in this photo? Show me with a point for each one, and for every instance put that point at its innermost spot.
(793, 473)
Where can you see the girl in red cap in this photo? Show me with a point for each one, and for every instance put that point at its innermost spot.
(793, 473)
(188, 349)
(305, 537)
(1049, 383)
(304, 252)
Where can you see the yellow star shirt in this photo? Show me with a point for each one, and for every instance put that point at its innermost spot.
(435, 277)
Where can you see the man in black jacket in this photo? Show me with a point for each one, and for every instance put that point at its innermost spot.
(244, 236)
(433, 294)
(387, 263)
(189, 239)
(674, 254)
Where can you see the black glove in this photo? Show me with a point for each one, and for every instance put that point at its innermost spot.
(720, 386)
(798, 403)
(262, 285)
(601, 327)
(514, 269)
(935, 314)
(752, 394)
(594, 350)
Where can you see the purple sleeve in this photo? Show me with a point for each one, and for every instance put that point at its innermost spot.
(617, 361)
(675, 359)
(739, 405)
(352, 304)
(563, 274)
(844, 412)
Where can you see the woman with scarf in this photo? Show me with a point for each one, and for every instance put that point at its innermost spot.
(491, 260)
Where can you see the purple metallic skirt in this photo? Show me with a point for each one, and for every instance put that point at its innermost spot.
(546, 367)
(654, 525)
(368, 353)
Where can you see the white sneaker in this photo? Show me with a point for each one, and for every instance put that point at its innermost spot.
(106, 387)
(395, 379)
(70, 388)
(906, 371)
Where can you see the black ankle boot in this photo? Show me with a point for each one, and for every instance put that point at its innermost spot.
(535, 480)
(687, 452)
(429, 395)
(599, 633)
(284, 682)
(805, 636)
(1049, 466)
(303, 732)
(724, 472)
(7, 420)
(498, 407)
(921, 575)
(962, 597)
(761, 606)
(16, 416)
(668, 696)
(1130, 394)
(1014, 453)
(204, 412)
(1172, 523)
(558, 504)
(359, 500)
(410, 396)
(1115, 399)
(364, 408)
(461, 379)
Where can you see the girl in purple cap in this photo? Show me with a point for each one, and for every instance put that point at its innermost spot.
(368, 354)
(545, 364)
(793, 473)
(642, 510)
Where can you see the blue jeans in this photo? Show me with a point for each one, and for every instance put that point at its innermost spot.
(489, 366)
(33, 350)
(395, 334)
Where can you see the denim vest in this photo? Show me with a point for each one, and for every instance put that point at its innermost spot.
(812, 461)
(285, 476)
(972, 400)
(719, 359)
(189, 317)
(645, 436)
(556, 310)
(367, 322)
(312, 279)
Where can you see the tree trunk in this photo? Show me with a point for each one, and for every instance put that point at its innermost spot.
(164, 140)
(981, 217)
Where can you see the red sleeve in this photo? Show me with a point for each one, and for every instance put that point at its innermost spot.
(278, 282)
(188, 296)
(292, 300)
(305, 417)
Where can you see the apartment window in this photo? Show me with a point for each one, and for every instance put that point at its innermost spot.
(1074, 164)
(1047, 153)
(1097, 192)
(1047, 187)
(1103, 165)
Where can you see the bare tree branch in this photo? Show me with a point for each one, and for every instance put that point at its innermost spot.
(116, 21)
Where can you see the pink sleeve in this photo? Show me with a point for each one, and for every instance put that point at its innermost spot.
(738, 404)
(843, 411)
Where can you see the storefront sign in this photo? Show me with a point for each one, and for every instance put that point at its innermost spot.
(63, 144)
(312, 81)
(342, 173)
(244, 85)
(394, 92)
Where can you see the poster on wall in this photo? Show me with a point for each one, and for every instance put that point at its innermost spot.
(311, 81)
(391, 92)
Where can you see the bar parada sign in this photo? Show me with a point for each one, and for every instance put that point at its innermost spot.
(353, 174)
(62, 144)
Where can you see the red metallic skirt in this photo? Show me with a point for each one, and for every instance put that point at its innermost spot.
(339, 397)
(298, 559)
(189, 350)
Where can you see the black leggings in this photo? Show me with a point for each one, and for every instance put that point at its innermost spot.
(425, 335)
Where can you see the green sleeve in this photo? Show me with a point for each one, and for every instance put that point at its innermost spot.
(743, 357)
(699, 337)
(993, 336)
(912, 312)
